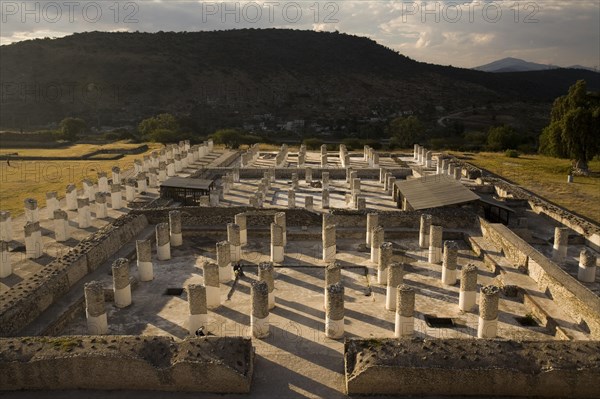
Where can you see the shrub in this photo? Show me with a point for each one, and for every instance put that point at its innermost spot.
(512, 153)
(313, 143)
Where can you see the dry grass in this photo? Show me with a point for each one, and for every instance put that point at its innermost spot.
(33, 179)
(72, 151)
(547, 177)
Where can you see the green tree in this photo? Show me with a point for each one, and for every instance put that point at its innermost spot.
(161, 121)
(502, 138)
(163, 136)
(71, 128)
(405, 131)
(231, 138)
(574, 129)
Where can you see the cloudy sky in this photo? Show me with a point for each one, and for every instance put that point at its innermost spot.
(461, 33)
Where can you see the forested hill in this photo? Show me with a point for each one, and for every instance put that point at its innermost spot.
(224, 77)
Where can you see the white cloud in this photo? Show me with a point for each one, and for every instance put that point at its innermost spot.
(566, 32)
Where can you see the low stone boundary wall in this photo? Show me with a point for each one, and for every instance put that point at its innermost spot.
(29, 298)
(552, 369)
(334, 173)
(205, 216)
(211, 364)
(575, 298)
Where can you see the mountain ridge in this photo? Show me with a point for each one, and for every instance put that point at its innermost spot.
(223, 78)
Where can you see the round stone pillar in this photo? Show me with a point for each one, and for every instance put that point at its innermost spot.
(265, 273)
(5, 263)
(241, 220)
(163, 242)
(587, 266)
(211, 282)
(395, 278)
(334, 311)
(233, 236)
(95, 311)
(488, 312)
(280, 221)
(32, 213)
(561, 244)
(435, 244)
(468, 288)
(198, 318)
(121, 285)
(449, 262)
(224, 261)
(259, 319)
(71, 197)
(116, 200)
(329, 243)
(83, 212)
(424, 230)
(386, 251)
(62, 230)
(372, 222)
(176, 236)
(405, 309)
(376, 241)
(277, 252)
(144, 259)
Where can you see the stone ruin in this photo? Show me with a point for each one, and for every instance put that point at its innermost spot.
(330, 281)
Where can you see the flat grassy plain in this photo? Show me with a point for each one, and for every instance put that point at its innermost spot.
(546, 177)
(33, 179)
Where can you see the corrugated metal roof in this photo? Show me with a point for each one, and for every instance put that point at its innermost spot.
(186, 182)
(434, 191)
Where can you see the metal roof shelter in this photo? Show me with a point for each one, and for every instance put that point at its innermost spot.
(432, 191)
(186, 190)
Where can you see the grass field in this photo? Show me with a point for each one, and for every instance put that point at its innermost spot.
(72, 151)
(33, 179)
(546, 177)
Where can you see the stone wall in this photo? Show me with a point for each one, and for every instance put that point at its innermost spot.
(286, 173)
(472, 367)
(211, 364)
(29, 298)
(192, 217)
(573, 297)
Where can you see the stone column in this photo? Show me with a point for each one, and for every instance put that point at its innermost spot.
(405, 309)
(101, 208)
(144, 259)
(294, 181)
(116, 175)
(130, 190)
(32, 213)
(102, 182)
(34, 248)
(291, 199)
(5, 226)
(95, 311)
(224, 261)
(391, 182)
(349, 176)
(375, 160)
(451, 169)
(361, 203)
(372, 222)
(449, 262)
(308, 203)
(163, 242)
(115, 196)
(88, 189)
(259, 319)
(334, 311)
(142, 185)
(329, 243)
(83, 212)
(355, 186)
(561, 244)
(280, 220)
(233, 236)
(457, 172)
(395, 277)
(241, 220)
(333, 275)
(5, 264)
(152, 177)
(428, 161)
(424, 230)
(376, 241)
(71, 197)
(196, 294)
(62, 230)
(435, 244)
(587, 266)
(488, 312)
(382, 175)
(325, 180)
(211, 281)
(308, 175)
(52, 203)
(325, 199)
(162, 172)
(277, 252)
(416, 152)
(170, 168)
(323, 160)
(121, 285)
(265, 273)
(176, 236)
(468, 288)
(386, 251)
(177, 163)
